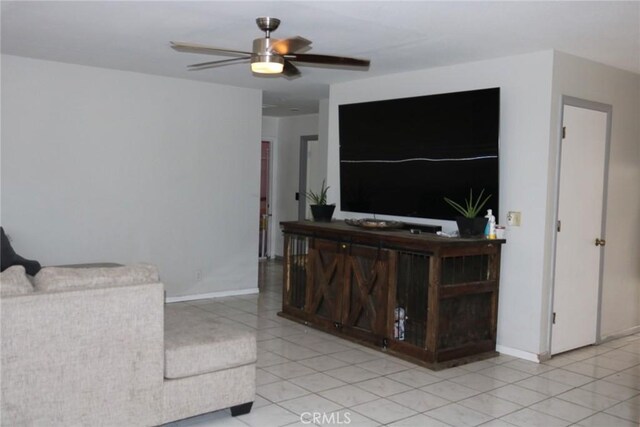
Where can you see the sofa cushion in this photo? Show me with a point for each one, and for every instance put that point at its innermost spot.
(14, 281)
(198, 342)
(66, 278)
(9, 257)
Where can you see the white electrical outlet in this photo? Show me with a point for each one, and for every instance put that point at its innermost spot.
(513, 218)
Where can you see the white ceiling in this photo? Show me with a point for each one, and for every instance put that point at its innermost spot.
(396, 36)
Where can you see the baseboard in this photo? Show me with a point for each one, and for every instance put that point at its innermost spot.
(543, 357)
(212, 295)
(532, 357)
(621, 334)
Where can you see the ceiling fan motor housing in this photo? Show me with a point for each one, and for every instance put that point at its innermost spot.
(263, 60)
(262, 52)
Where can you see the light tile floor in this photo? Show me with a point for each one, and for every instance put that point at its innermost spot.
(301, 371)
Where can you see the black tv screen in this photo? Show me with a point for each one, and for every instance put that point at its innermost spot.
(402, 157)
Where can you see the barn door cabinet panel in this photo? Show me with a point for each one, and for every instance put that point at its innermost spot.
(364, 295)
(429, 299)
(324, 283)
(337, 285)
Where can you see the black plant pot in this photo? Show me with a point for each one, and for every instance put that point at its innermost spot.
(322, 213)
(471, 227)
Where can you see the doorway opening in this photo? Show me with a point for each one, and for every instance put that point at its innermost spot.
(265, 195)
(312, 173)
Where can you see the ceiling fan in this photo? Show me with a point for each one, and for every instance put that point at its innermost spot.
(269, 56)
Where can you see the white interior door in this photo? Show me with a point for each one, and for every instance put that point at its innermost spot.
(580, 210)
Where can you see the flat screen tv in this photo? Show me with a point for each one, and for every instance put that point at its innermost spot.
(402, 157)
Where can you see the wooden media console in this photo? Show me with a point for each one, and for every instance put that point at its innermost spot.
(353, 282)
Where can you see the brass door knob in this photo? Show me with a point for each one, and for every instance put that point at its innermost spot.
(600, 242)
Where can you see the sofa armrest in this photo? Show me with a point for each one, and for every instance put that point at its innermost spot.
(89, 356)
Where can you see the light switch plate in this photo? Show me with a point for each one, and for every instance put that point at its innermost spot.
(513, 218)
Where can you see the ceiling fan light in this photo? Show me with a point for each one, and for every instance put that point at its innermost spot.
(267, 64)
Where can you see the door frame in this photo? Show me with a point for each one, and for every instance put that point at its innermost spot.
(608, 110)
(271, 229)
(302, 175)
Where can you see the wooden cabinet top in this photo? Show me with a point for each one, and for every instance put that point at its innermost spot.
(388, 238)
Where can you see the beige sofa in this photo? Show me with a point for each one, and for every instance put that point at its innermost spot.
(90, 348)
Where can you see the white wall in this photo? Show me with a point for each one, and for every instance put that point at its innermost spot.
(525, 83)
(323, 143)
(270, 128)
(592, 81)
(317, 155)
(106, 165)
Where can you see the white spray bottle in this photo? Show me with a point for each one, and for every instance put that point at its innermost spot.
(490, 230)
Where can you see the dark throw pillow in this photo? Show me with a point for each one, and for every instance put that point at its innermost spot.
(9, 257)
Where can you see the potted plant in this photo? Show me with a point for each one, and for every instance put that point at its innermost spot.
(320, 210)
(469, 224)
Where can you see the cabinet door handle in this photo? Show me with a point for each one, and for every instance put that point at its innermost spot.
(600, 242)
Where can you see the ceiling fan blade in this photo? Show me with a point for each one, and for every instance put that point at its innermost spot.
(290, 70)
(212, 64)
(327, 59)
(290, 45)
(208, 50)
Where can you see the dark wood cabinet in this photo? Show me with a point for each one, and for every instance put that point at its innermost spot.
(350, 281)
